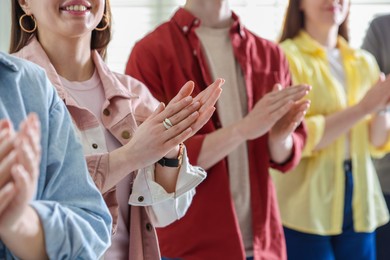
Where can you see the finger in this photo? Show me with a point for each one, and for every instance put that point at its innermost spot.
(30, 131)
(291, 128)
(6, 124)
(185, 91)
(203, 96)
(291, 91)
(159, 109)
(178, 139)
(7, 194)
(278, 101)
(382, 77)
(7, 134)
(297, 111)
(34, 135)
(184, 113)
(281, 110)
(5, 167)
(294, 93)
(277, 87)
(180, 127)
(210, 102)
(27, 157)
(301, 105)
(7, 144)
(22, 181)
(173, 108)
(299, 116)
(203, 118)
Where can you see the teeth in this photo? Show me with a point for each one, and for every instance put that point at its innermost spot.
(80, 8)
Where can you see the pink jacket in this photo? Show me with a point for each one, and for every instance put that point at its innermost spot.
(128, 103)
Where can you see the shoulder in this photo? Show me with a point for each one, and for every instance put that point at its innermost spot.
(133, 86)
(365, 57)
(289, 47)
(17, 64)
(383, 20)
(266, 50)
(156, 37)
(31, 75)
(128, 82)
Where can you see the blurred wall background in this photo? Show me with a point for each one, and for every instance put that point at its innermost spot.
(134, 18)
(5, 24)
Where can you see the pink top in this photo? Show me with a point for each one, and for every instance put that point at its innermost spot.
(89, 94)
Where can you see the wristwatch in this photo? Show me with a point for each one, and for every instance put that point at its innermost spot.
(173, 162)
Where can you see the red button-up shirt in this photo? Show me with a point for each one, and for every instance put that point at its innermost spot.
(164, 60)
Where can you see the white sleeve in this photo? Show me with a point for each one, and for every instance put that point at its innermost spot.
(164, 208)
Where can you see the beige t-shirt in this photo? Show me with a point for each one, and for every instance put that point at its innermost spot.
(232, 106)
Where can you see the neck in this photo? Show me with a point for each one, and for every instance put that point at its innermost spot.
(212, 13)
(326, 36)
(71, 57)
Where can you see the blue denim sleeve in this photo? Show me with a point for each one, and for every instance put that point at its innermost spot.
(75, 218)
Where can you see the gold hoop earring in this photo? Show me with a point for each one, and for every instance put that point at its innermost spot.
(21, 23)
(105, 18)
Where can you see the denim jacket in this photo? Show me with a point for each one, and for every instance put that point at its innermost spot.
(128, 103)
(75, 219)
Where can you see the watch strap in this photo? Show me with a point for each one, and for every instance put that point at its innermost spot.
(168, 162)
(173, 162)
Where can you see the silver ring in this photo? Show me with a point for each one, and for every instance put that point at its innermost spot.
(167, 123)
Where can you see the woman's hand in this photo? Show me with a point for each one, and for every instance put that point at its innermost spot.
(377, 97)
(285, 126)
(206, 99)
(152, 140)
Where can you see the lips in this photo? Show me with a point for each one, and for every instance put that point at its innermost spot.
(333, 8)
(76, 6)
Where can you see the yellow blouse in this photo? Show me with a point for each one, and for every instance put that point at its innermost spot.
(311, 197)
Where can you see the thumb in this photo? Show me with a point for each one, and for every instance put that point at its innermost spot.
(6, 124)
(277, 87)
(382, 77)
(158, 110)
(185, 91)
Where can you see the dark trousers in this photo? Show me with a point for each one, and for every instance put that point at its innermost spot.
(383, 237)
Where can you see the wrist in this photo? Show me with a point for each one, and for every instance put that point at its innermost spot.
(383, 111)
(15, 225)
(281, 149)
(173, 162)
(239, 130)
(285, 142)
(361, 110)
(174, 153)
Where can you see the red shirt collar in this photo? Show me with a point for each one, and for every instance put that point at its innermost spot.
(187, 22)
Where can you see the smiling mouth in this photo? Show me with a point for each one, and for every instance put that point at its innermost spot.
(77, 8)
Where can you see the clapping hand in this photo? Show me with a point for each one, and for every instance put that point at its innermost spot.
(162, 132)
(281, 107)
(20, 155)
